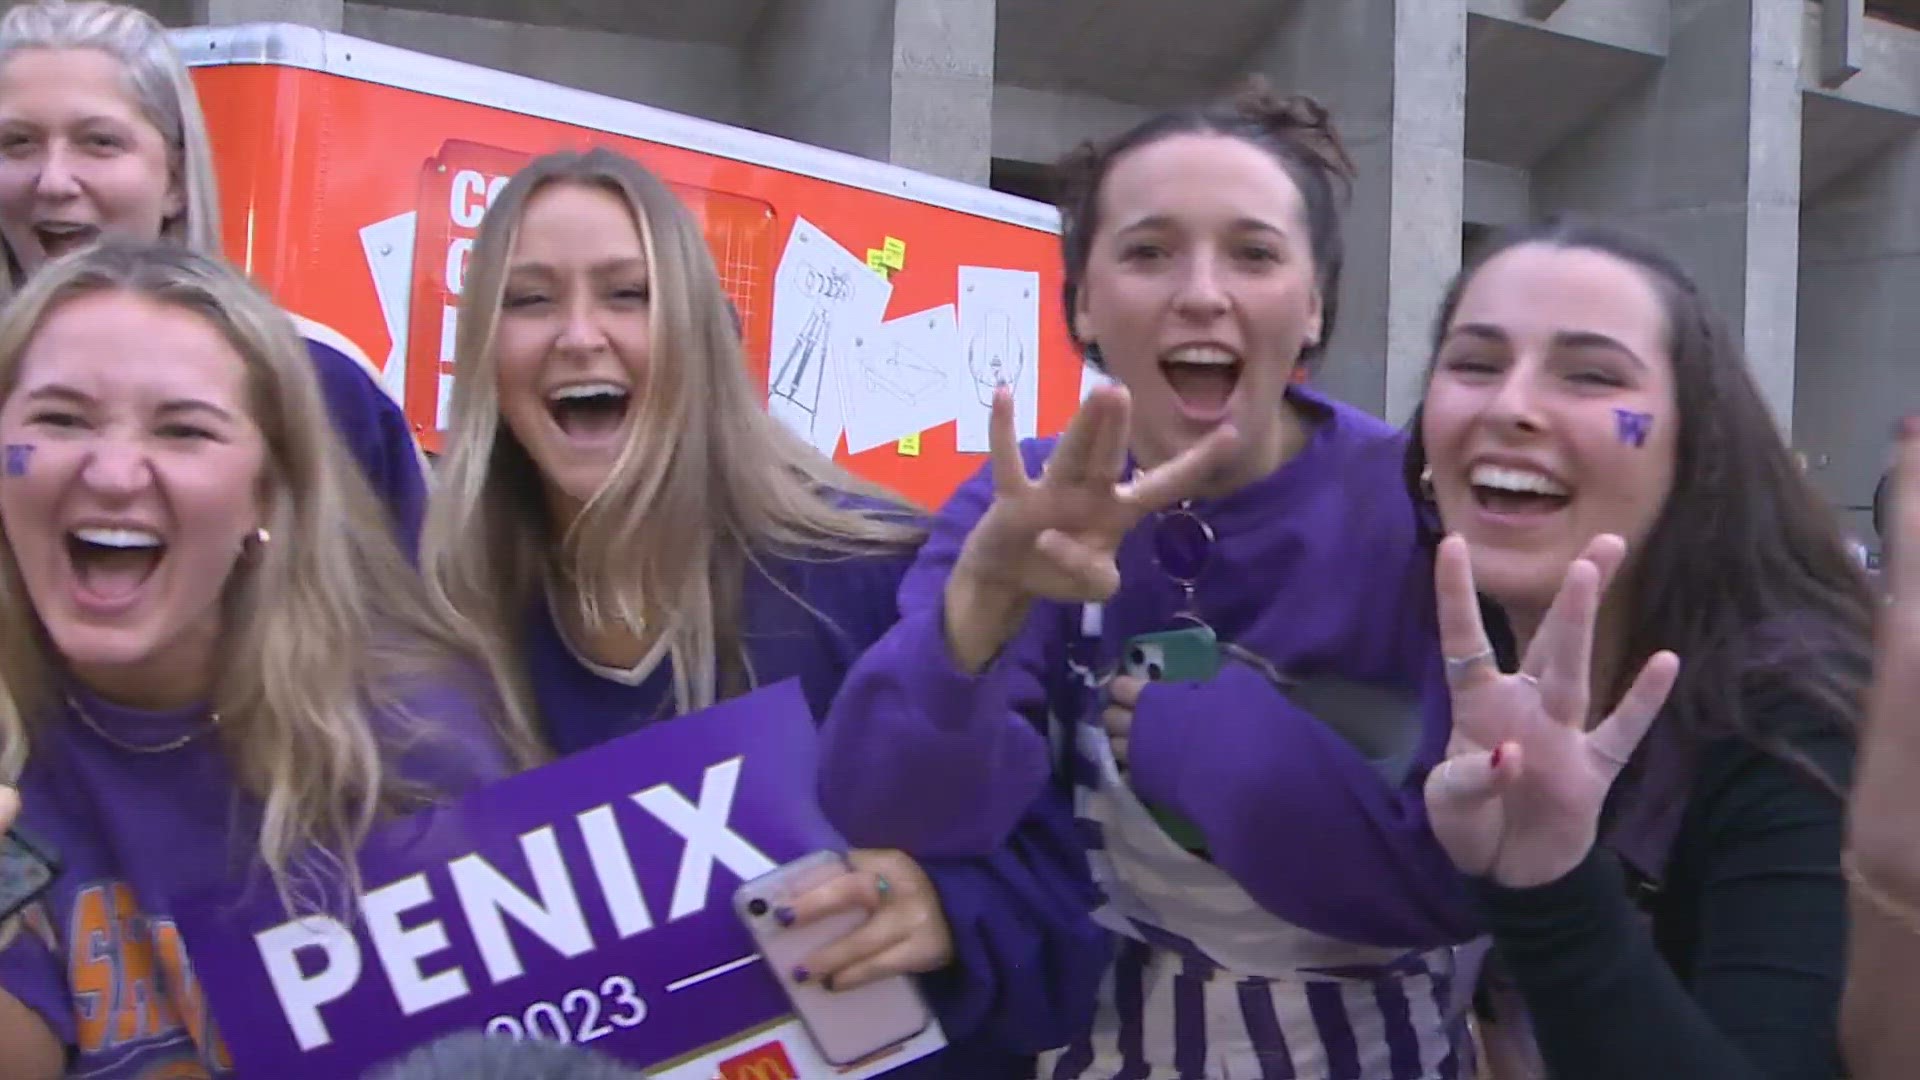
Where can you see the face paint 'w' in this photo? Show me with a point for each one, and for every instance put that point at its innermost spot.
(1632, 427)
(18, 455)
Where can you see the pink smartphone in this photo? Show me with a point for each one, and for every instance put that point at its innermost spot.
(846, 1026)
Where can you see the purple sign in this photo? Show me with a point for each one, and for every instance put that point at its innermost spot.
(588, 901)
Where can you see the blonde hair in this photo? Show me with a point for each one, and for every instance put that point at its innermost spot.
(707, 482)
(159, 83)
(325, 626)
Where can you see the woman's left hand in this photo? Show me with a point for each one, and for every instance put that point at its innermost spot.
(1518, 798)
(906, 932)
(1123, 693)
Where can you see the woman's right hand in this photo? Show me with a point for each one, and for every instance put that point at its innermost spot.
(1054, 537)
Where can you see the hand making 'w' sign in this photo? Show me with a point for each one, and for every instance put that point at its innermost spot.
(1053, 537)
(1518, 798)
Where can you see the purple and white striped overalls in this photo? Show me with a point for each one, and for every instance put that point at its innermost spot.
(1208, 985)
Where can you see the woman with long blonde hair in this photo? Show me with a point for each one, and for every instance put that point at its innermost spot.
(636, 538)
(101, 135)
(213, 660)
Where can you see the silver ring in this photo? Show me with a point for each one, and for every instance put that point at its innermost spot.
(1458, 664)
(881, 887)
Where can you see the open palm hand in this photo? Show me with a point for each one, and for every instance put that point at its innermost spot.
(1518, 797)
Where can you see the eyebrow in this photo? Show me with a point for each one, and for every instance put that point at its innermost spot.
(1166, 221)
(605, 267)
(1564, 339)
(171, 406)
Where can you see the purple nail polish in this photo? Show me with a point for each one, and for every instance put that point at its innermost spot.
(783, 915)
(801, 975)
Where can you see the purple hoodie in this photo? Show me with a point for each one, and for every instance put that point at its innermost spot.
(1318, 570)
(375, 431)
(133, 830)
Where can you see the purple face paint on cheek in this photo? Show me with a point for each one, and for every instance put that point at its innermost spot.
(1632, 427)
(18, 455)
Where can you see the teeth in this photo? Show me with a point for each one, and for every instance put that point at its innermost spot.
(118, 538)
(588, 390)
(1504, 479)
(1203, 355)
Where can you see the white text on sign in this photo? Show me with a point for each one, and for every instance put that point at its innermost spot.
(487, 899)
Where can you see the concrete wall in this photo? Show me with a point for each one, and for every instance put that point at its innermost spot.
(1859, 357)
(1395, 75)
(703, 79)
(1705, 156)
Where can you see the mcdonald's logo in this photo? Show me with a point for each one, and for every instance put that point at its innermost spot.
(768, 1062)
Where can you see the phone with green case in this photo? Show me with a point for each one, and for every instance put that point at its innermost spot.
(1188, 655)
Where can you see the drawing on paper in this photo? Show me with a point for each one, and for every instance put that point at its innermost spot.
(823, 299)
(999, 320)
(902, 374)
(995, 356)
(801, 375)
(903, 377)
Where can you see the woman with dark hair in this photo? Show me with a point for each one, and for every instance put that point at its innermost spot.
(1247, 679)
(1657, 848)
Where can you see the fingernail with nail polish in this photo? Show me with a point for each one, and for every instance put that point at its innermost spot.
(801, 975)
(1909, 426)
(783, 916)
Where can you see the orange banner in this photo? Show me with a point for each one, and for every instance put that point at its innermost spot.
(355, 204)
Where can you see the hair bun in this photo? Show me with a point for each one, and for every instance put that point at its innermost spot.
(1299, 117)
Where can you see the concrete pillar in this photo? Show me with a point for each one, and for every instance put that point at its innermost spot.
(1394, 74)
(1858, 371)
(1705, 159)
(905, 81)
(324, 14)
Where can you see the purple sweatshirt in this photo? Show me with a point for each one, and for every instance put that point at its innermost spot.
(133, 830)
(1316, 569)
(1028, 958)
(375, 431)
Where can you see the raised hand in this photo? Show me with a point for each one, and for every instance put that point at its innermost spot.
(1053, 537)
(1518, 798)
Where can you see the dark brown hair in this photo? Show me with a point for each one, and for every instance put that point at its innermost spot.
(1744, 573)
(1296, 130)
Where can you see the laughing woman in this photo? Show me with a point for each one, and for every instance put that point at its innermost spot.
(101, 135)
(211, 655)
(1588, 418)
(638, 539)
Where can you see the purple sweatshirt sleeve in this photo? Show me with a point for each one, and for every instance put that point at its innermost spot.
(375, 431)
(919, 756)
(30, 971)
(1291, 793)
(1028, 959)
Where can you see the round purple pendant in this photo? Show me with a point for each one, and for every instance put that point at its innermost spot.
(1181, 545)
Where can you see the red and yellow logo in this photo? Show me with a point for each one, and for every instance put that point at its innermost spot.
(766, 1062)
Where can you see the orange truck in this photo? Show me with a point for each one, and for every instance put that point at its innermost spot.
(880, 306)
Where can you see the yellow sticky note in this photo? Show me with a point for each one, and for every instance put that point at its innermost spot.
(894, 250)
(910, 446)
(877, 262)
